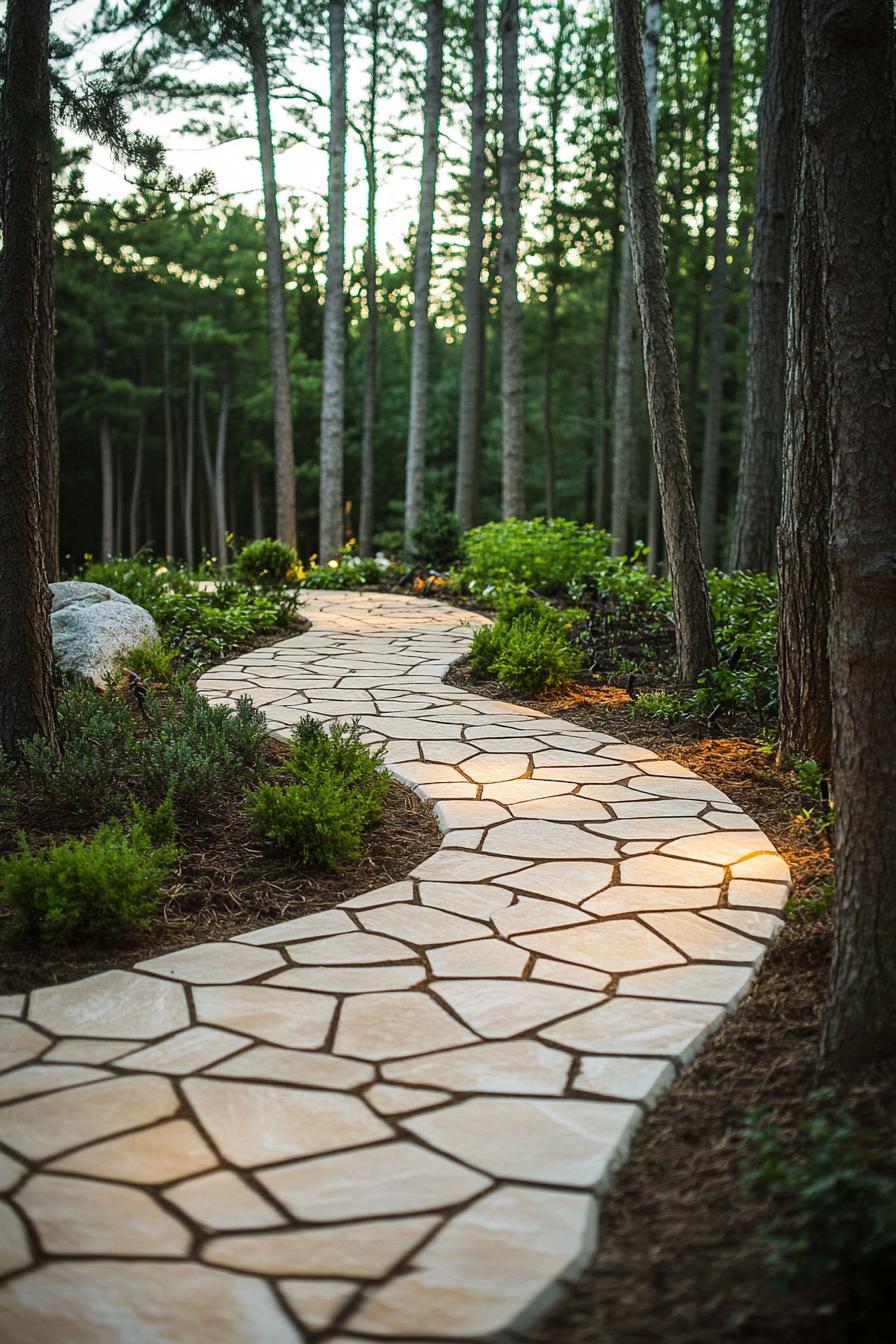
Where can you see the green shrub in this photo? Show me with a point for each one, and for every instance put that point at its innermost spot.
(97, 749)
(530, 654)
(835, 1200)
(207, 626)
(350, 570)
(319, 820)
(267, 563)
(668, 707)
(151, 661)
(436, 542)
(140, 578)
(92, 889)
(542, 554)
(338, 751)
(193, 747)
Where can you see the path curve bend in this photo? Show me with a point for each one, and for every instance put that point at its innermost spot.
(392, 1120)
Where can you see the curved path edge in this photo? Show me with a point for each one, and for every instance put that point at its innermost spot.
(392, 1120)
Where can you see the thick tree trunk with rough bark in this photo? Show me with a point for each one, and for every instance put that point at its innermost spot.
(284, 455)
(759, 486)
(332, 401)
(513, 408)
(415, 465)
(26, 650)
(469, 419)
(690, 600)
(849, 114)
(45, 377)
(803, 536)
(712, 425)
(368, 428)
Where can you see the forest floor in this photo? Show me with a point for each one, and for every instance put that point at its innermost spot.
(682, 1258)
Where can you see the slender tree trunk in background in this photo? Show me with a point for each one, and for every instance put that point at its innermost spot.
(368, 428)
(623, 418)
(513, 388)
(189, 468)
(169, 442)
(119, 501)
(220, 477)
(606, 406)
(547, 404)
(45, 377)
(803, 537)
(712, 425)
(136, 485)
(759, 486)
(850, 111)
(332, 401)
(652, 25)
(690, 600)
(217, 525)
(469, 419)
(693, 418)
(107, 538)
(284, 453)
(257, 502)
(415, 465)
(27, 704)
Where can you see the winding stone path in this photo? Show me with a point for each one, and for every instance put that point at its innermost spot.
(391, 1120)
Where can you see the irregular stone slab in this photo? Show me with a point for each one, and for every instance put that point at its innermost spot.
(318, 925)
(41, 1127)
(688, 786)
(724, 848)
(488, 957)
(584, 774)
(392, 1026)
(448, 866)
(362, 1250)
(564, 808)
(553, 1142)
(32, 1080)
(351, 979)
(275, 1015)
(394, 1178)
(75, 1050)
(524, 790)
(527, 913)
(316, 1302)
(463, 813)
(753, 923)
(349, 949)
(699, 983)
(186, 1052)
(623, 1077)
(308, 1068)
(546, 840)
(650, 828)
(115, 1004)
(562, 881)
(624, 1026)
(494, 1266)
(663, 870)
(498, 1009)
(764, 867)
(420, 925)
(625, 900)
(451, 753)
(12, 1005)
(731, 821)
(563, 973)
(19, 1043)
(395, 891)
(11, 1172)
(524, 1067)
(496, 768)
(166, 1152)
(223, 1201)
(391, 1100)
(252, 1123)
(613, 945)
(768, 895)
(15, 1252)
(703, 939)
(104, 1302)
(471, 899)
(73, 1216)
(684, 807)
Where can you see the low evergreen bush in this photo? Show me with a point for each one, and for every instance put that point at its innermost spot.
(267, 563)
(436, 541)
(531, 653)
(338, 751)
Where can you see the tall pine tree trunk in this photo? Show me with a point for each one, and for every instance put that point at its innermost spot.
(332, 408)
(189, 468)
(690, 600)
(759, 486)
(850, 112)
(712, 425)
(284, 453)
(45, 377)
(107, 486)
(169, 442)
(220, 476)
(136, 485)
(606, 404)
(513, 405)
(26, 651)
(368, 428)
(257, 501)
(652, 26)
(469, 420)
(415, 465)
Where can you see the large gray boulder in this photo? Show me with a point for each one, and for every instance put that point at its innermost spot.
(93, 626)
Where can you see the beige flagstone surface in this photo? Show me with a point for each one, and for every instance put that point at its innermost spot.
(394, 1120)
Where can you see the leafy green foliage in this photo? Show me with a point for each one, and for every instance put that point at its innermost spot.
(338, 790)
(268, 563)
(151, 661)
(531, 653)
(93, 889)
(436, 542)
(140, 578)
(835, 1200)
(97, 751)
(543, 554)
(350, 571)
(192, 747)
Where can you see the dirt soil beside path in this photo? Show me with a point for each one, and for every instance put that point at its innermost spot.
(681, 1256)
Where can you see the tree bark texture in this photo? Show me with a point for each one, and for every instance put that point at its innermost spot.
(469, 419)
(368, 427)
(189, 467)
(169, 442)
(690, 600)
(332, 401)
(712, 424)
(107, 486)
(759, 485)
(45, 376)
(27, 703)
(136, 485)
(415, 463)
(284, 453)
(849, 115)
(513, 405)
(220, 476)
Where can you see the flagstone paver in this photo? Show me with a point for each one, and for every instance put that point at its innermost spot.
(392, 1120)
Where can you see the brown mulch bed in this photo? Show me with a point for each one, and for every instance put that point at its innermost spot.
(682, 1257)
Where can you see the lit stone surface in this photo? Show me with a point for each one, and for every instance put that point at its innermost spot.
(561, 881)
(222, 1201)
(166, 1152)
(624, 900)
(73, 1216)
(19, 1043)
(489, 957)
(350, 979)
(506, 1067)
(349, 949)
(764, 867)
(529, 913)
(494, 769)
(391, 1099)
(36, 1078)
(363, 1250)
(473, 900)
(624, 1026)
(292, 1019)
(700, 983)
(703, 938)
(546, 840)
(10, 1172)
(753, 923)
(564, 808)
(622, 1078)
(252, 1123)
(307, 1068)
(12, 1005)
(447, 866)
(116, 1004)
(214, 963)
(186, 1052)
(391, 1026)
(318, 925)
(14, 1250)
(42, 1127)
(662, 870)
(104, 1302)
(501, 1008)
(420, 925)
(614, 945)
(317, 1301)
(74, 1050)
(395, 1178)
(563, 973)
(766, 895)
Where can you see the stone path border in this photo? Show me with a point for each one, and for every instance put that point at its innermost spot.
(390, 1120)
